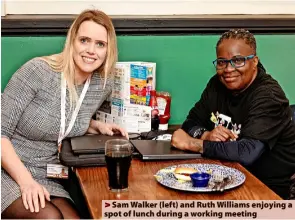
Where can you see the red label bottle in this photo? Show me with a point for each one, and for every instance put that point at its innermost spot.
(164, 103)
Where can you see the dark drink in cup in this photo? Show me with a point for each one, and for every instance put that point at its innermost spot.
(118, 158)
(118, 166)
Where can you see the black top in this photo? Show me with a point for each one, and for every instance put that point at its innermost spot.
(267, 130)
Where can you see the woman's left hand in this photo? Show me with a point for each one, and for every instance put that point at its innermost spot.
(98, 127)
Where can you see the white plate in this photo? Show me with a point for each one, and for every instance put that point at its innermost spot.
(166, 177)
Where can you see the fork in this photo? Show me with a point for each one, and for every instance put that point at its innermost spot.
(224, 183)
(216, 185)
(217, 182)
(220, 183)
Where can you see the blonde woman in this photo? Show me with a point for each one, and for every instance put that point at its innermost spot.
(46, 100)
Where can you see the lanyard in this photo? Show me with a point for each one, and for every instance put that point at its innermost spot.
(62, 132)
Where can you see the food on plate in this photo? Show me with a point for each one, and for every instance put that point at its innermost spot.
(209, 171)
(183, 173)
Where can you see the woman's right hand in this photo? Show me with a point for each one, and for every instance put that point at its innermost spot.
(219, 133)
(34, 195)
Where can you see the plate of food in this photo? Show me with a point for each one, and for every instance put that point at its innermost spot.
(180, 177)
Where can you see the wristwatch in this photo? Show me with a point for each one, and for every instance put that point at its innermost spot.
(199, 132)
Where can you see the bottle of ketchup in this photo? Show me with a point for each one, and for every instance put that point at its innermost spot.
(164, 103)
(155, 111)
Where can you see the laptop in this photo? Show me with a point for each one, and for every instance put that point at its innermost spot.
(91, 144)
(161, 150)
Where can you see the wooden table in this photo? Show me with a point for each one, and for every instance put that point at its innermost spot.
(143, 185)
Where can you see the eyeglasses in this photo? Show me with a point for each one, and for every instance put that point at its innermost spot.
(236, 62)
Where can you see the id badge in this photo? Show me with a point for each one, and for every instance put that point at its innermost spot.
(57, 171)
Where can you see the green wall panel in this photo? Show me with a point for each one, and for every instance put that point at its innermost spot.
(184, 63)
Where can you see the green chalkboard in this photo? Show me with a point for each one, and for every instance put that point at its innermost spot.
(184, 63)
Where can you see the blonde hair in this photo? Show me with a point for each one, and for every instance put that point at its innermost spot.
(64, 62)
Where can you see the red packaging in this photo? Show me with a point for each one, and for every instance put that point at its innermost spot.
(164, 103)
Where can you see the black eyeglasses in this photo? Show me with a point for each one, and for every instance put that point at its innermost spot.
(236, 62)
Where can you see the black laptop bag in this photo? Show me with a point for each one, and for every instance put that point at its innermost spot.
(68, 158)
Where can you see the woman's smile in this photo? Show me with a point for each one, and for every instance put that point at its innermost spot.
(88, 60)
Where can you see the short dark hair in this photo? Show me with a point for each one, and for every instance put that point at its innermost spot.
(239, 34)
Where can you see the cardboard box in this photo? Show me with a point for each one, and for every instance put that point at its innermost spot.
(128, 103)
(134, 118)
(133, 82)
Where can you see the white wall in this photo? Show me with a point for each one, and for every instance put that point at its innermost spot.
(2, 7)
(150, 7)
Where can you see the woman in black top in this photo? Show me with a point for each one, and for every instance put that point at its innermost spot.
(243, 115)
